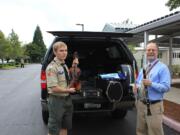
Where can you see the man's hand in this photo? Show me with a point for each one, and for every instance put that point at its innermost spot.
(70, 90)
(147, 82)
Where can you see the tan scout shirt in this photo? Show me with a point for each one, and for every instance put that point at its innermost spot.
(56, 76)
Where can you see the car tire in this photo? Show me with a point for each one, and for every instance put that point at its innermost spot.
(119, 114)
(45, 116)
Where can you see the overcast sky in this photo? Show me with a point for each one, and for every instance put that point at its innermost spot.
(24, 15)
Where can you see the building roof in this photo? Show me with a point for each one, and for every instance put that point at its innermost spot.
(167, 26)
(118, 27)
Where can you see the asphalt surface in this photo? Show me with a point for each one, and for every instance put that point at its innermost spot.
(20, 102)
(20, 109)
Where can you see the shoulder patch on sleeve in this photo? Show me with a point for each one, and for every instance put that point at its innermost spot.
(50, 71)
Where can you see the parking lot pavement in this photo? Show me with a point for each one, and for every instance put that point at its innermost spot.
(172, 106)
(173, 95)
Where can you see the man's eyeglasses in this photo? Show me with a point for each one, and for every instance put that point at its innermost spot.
(151, 50)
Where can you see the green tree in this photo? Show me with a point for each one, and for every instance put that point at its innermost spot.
(26, 55)
(131, 47)
(173, 4)
(5, 47)
(37, 46)
(16, 50)
(2, 46)
(34, 52)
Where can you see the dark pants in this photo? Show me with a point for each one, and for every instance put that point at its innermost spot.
(22, 65)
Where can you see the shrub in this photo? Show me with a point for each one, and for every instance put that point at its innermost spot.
(176, 70)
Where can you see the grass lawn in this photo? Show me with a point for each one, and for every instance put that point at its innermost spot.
(8, 66)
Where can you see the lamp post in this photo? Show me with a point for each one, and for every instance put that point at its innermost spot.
(82, 25)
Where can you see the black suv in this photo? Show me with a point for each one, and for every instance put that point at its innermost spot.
(107, 72)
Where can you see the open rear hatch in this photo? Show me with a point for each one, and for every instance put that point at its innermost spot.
(100, 54)
(90, 34)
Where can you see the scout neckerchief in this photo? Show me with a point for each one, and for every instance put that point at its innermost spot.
(66, 73)
(151, 66)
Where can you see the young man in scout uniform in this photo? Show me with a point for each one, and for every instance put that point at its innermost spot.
(59, 101)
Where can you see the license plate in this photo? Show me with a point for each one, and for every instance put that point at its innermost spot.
(91, 105)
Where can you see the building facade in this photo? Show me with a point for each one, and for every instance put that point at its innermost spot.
(163, 55)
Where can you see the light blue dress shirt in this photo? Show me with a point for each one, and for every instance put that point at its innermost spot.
(161, 81)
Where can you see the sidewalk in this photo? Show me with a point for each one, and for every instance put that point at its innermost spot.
(172, 106)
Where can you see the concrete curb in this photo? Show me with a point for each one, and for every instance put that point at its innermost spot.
(171, 123)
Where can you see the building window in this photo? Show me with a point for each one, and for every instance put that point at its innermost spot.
(174, 55)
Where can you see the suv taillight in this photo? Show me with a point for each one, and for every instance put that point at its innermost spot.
(43, 80)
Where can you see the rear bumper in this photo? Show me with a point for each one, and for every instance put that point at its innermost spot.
(100, 104)
(105, 107)
(82, 105)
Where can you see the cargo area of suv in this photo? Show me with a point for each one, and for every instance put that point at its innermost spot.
(107, 72)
